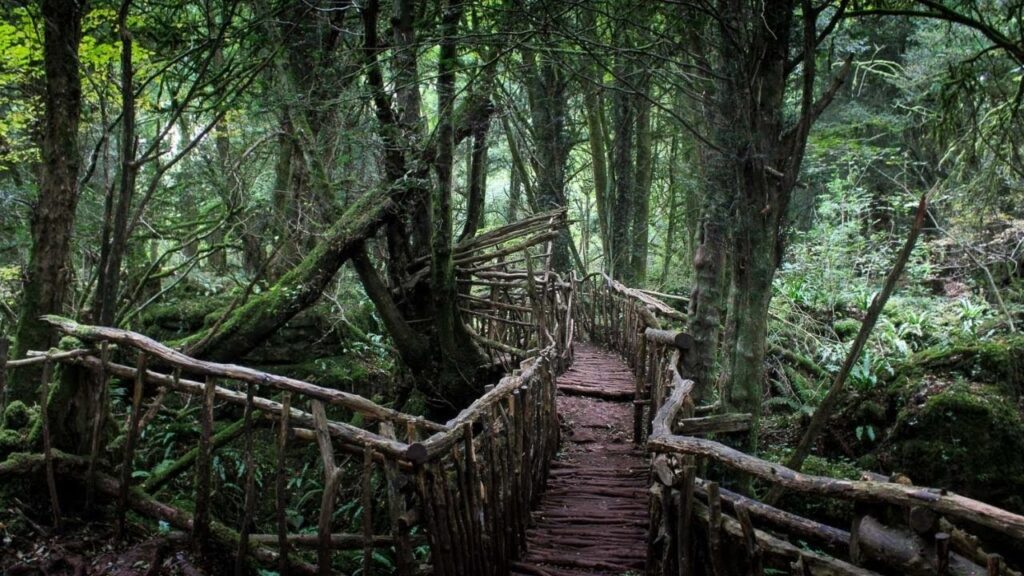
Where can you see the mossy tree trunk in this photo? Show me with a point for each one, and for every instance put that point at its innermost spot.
(415, 310)
(593, 102)
(547, 87)
(624, 119)
(114, 242)
(48, 271)
(644, 178)
(754, 162)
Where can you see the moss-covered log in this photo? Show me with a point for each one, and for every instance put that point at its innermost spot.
(263, 314)
(164, 475)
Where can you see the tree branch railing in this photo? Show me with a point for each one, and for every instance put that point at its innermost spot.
(697, 526)
(463, 490)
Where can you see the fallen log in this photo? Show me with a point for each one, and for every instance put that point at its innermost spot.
(719, 424)
(943, 502)
(897, 548)
(222, 535)
(781, 554)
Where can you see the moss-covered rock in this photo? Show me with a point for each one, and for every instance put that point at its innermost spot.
(964, 436)
(999, 362)
(17, 428)
(179, 317)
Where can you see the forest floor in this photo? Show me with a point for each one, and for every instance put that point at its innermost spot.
(92, 550)
(592, 518)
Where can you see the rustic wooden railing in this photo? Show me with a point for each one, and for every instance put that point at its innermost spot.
(699, 527)
(460, 491)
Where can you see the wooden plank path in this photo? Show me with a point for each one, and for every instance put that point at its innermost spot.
(592, 518)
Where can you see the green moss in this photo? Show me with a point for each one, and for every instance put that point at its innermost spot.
(18, 427)
(846, 328)
(70, 343)
(10, 441)
(999, 362)
(182, 316)
(416, 404)
(966, 437)
(829, 510)
(16, 416)
(332, 371)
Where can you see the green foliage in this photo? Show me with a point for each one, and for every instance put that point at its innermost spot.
(965, 436)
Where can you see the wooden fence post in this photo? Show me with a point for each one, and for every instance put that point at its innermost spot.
(129, 447)
(281, 486)
(51, 481)
(250, 486)
(201, 521)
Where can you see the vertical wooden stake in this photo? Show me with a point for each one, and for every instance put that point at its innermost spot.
(129, 446)
(942, 553)
(98, 420)
(995, 565)
(250, 486)
(750, 541)
(201, 521)
(51, 481)
(855, 556)
(396, 509)
(638, 394)
(684, 522)
(715, 529)
(281, 486)
(410, 433)
(5, 345)
(331, 478)
(367, 511)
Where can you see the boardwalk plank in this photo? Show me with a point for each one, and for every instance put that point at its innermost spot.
(592, 518)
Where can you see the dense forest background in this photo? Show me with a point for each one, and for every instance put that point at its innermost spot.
(284, 184)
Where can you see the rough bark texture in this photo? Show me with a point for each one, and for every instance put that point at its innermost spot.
(548, 91)
(263, 314)
(644, 177)
(755, 159)
(115, 237)
(624, 114)
(53, 216)
(593, 102)
(459, 357)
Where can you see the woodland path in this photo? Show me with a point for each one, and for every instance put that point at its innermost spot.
(592, 517)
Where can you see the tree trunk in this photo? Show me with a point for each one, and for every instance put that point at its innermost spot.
(477, 189)
(48, 271)
(548, 91)
(644, 178)
(116, 243)
(673, 204)
(457, 352)
(594, 105)
(625, 189)
(249, 325)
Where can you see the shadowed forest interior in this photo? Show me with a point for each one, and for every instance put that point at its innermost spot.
(530, 287)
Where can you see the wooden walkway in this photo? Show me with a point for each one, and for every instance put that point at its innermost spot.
(592, 518)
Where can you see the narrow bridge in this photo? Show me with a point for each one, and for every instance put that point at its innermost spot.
(591, 457)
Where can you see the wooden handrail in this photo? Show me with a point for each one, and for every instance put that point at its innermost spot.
(616, 311)
(941, 501)
(235, 372)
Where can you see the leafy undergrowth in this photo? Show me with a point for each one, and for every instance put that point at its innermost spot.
(938, 393)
